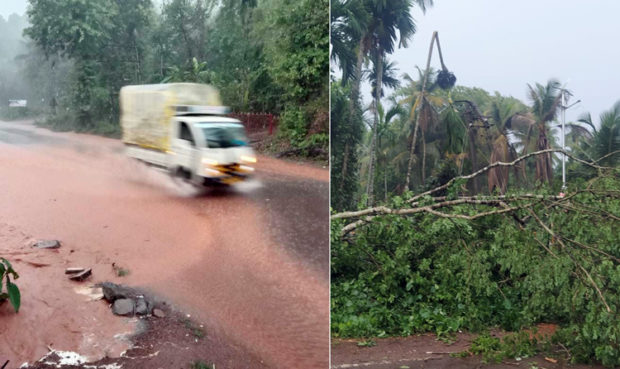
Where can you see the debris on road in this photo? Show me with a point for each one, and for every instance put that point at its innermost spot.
(47, 244)
(141, 307)
(113, 292)
(159, 313)
(141, 304)
(35, 264)
(74, 270)
(93, 293)
(123, 307)
(81, 275)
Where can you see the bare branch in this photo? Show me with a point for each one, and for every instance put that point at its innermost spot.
(502, 164)
(606, 156)
(382, 210)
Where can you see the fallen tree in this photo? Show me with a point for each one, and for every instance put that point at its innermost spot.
(443, 260)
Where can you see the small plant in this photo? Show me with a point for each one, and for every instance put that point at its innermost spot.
(121, 272)
(12, 292)
(367, 343)
(492, 349)
(197, 332)
(201, 365)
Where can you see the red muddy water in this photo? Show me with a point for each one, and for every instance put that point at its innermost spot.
(249, 262)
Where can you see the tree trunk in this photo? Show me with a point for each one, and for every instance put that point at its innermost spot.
(357, 79)
(473, 158)
(138, 67)
(543, 162)
(423, 158)
(385, 184)
(373, 142)
(353, 101)
(345, 160)
(417, 119)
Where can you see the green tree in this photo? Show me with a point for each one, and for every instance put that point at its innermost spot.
(79, 30)
(345, 133)
(349, 18)
(297, 56)
(389, 18)
(545, 101)
(501, 111)
(605, 141)
(426, 104)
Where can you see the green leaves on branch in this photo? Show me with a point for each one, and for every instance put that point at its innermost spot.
(8, 289)
(545, 261)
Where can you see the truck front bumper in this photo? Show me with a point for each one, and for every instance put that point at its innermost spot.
(226, 174)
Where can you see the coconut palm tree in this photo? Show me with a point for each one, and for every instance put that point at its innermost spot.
(427, 106)
(445, 83)
(349, 20)
(545, 101)
(605, 141)
(390, 77)
(390, 21)
(386, 139)
(500, 114)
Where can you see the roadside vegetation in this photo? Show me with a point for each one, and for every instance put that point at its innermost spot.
(8, 289)
(264, 55)
(430, 233)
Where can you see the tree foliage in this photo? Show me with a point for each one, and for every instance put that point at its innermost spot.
(549, 259)
(264, 56)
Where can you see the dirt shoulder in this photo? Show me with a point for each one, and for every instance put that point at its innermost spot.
(174, 341)
(427, 351)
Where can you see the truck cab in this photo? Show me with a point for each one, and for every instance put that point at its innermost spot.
(206, 149)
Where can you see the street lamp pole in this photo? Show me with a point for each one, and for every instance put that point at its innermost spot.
(563, 140)
(564, 108)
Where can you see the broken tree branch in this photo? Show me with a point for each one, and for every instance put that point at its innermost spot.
(606, 156)
(503, 164)
(482, 200)
(431, 209)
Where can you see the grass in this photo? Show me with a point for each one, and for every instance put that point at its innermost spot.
(367, 343)
(201, 365)
(196, 331)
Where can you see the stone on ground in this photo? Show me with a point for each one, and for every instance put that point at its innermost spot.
(123, 307)
(47, 244)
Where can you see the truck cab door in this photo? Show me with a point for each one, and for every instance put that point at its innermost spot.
(184, 147)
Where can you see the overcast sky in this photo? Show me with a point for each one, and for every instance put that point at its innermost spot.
(8, 7)
(503, 45)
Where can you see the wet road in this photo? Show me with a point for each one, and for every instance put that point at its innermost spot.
(252, 263)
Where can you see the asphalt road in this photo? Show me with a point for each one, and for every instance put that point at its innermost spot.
(251, 263)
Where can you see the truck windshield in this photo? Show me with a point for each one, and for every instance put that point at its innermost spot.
(223, 135)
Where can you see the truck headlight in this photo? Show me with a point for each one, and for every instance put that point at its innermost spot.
(248, 159)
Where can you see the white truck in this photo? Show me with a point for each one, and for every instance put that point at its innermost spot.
(180, 127)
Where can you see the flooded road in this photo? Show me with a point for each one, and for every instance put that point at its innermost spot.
(251, 263)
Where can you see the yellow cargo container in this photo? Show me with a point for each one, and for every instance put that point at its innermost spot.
(146, 110)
